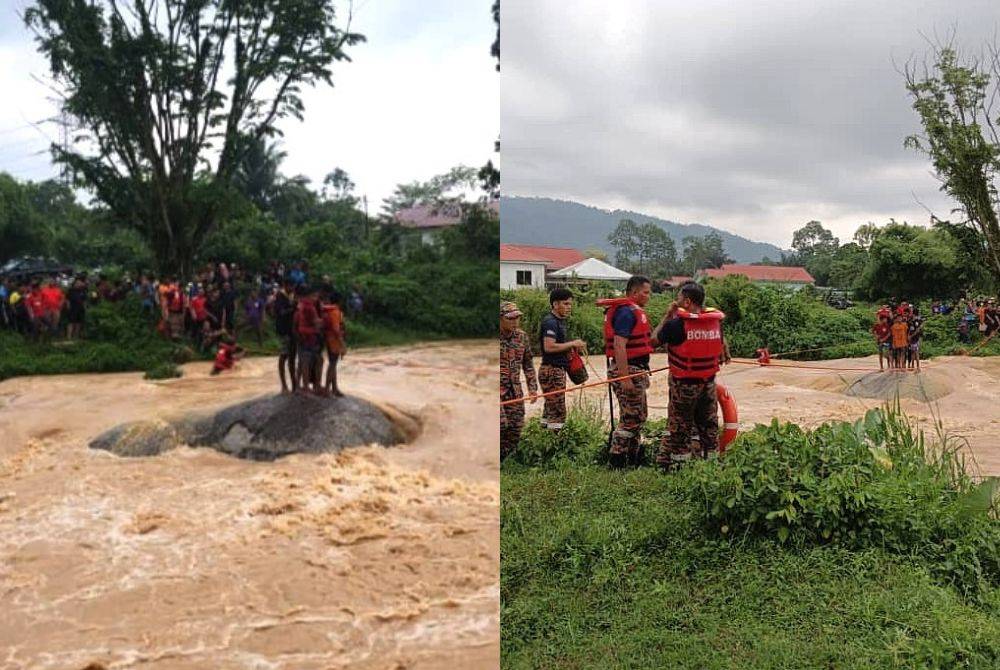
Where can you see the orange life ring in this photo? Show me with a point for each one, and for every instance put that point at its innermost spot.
(730, 417)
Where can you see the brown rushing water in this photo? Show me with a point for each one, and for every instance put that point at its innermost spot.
(373, 558)
(967, 392)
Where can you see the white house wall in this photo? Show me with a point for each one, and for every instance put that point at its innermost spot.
(508, 274)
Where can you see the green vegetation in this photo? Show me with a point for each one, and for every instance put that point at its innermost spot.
(120, 339)
(856, 545)
(759, 315)
(166, 111)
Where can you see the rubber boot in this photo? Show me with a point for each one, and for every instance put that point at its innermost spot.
(634, 452)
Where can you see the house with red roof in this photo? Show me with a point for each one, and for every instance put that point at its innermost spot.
(786, 276)
(429, 220)
(525, 266)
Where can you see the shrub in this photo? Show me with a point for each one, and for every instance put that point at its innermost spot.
(756, 316)
(583, 439)
(873, 483)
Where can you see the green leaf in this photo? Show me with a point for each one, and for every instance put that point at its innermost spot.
(980, 499)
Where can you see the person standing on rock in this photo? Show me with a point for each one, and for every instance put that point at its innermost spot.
(335, 337)
(307, 328)
(627, 346)
(555, 357)
(515, 357)
(692, 334)
(283, 312)
(173, 304)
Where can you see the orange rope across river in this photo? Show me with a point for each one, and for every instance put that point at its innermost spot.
(602, 382)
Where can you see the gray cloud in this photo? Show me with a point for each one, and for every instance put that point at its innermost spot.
(754, 117)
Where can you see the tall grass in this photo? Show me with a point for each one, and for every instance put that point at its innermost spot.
(855, 545)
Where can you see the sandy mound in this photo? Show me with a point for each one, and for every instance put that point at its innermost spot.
(262, 429)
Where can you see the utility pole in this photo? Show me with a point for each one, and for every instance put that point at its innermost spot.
(364, 201)
(63, 122)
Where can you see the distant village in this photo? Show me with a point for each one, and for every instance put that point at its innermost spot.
(525, 266)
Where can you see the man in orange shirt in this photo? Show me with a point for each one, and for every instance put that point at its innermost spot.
(900, 340)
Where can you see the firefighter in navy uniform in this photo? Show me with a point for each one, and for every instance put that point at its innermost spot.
(627, 346)
(692, 334)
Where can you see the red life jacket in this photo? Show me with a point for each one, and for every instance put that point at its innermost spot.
(698, 356)
(638, 344)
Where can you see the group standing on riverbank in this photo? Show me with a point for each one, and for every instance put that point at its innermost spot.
(692, 336)
(207, 312)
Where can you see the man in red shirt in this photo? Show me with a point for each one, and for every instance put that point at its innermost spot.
(199, 315)
(881, 332)
(52, 301)
(307, 326)
(35, 303)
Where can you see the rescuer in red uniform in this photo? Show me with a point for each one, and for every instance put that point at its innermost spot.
(692, 334)
(627, 346)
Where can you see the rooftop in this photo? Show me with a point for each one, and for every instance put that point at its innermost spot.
(775, 273)
(556, 258)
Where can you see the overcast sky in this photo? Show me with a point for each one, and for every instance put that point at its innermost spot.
(753, 117)
(420, 96)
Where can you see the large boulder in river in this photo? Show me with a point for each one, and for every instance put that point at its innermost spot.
(264, 428)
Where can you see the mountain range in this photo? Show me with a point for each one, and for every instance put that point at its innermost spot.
(562, 223)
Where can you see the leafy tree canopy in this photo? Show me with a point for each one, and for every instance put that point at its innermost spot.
(167, 97)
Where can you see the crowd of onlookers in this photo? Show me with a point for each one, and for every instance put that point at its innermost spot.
(980, 315)
(208, 311)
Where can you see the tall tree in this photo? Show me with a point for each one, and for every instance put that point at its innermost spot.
(704, 252)
(912, 262)
(815, 247)
(258, 174)
(865, 235)
(625, 239)
(20, 226)
(657, 251)
(954, 99)
(847, 265)
(489, 175)
(337, 185)
(447, 186)
(166, 93)
(812, 239)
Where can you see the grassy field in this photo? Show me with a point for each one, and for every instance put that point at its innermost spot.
(852, 546)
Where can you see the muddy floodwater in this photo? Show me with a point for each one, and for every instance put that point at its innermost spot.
(371, 558)
(958, 395)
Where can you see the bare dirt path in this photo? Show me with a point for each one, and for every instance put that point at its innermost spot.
(374, 558)
(963, 393)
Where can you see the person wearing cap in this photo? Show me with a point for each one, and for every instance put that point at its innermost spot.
(515, 356)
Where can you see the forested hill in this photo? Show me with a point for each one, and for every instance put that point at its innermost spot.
(561, 223)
